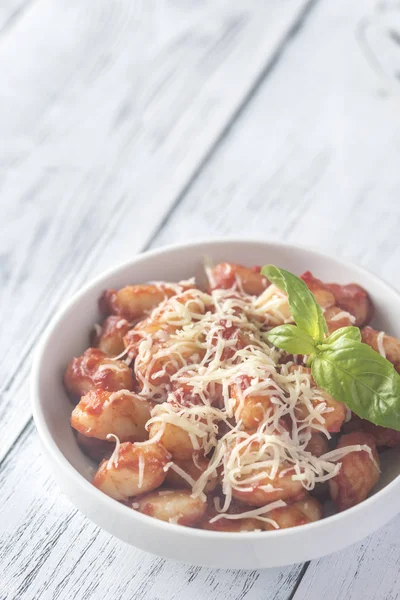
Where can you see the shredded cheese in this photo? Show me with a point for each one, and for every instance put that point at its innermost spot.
(185, 476)
(97, 330)
(117, 366)
(257, 513)
(215, 344)
(113, 460)
(339, 453)
(344, 315)
(155, 439)
(141, 470)
(379, 340)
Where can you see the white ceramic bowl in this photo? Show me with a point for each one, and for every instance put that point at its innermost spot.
(67, 336)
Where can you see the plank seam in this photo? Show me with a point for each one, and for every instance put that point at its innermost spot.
(82, 268)
(266, 71)
(299, 580)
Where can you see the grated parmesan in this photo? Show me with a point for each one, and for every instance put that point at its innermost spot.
(113, 366)
(257, 513)
(141, 470)
(217, 340)
(344, 315)
(380, 338)
(113, 460)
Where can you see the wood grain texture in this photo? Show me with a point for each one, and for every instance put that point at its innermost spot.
(314, 160)
(366, 570)
(48, 550)
(129, 102)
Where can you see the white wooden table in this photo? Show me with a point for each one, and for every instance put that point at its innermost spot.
(127, 125)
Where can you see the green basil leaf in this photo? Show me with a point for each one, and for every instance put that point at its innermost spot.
(304, 308)
(367, 383)
(292, 339)
(344, 333)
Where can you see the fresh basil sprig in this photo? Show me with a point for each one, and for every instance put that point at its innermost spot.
(350, 371)
(306, 312)
(344, 334)
(293, 339)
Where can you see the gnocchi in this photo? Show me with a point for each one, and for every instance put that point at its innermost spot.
(174, 506)
(329, 411)
(355, 300)
(359, 471)
(384, 437)
(175, 439)
(95, 370)
(123, 413)
(300, 513)
(323, 295)
(134, 470)
(228, 276)
(194, 467)
(195, 419)
(250, 409)
(383, 343)
(317, 444)
(265, 489)
(135, 301)
(109, 338)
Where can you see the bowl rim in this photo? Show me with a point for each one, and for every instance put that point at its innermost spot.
(51, 448)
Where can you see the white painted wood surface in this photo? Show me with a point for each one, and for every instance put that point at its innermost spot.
(106, 151)
(11, 12)
(121, 114)
(366, 570)
(314, 159)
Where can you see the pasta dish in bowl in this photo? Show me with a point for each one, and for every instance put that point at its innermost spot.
(189, 409)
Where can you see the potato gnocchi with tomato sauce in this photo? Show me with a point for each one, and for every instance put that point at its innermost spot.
(194, 418)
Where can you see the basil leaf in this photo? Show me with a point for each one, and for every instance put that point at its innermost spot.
(292, 339)
(344, 333)
(367, 383)
(304, 308)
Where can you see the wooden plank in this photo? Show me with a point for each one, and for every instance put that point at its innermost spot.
(366, 570)
(321, 171)
(124, 104)
(49, 550)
